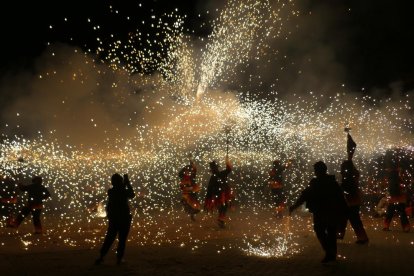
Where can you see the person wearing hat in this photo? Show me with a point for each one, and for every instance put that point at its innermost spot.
(219, 193)
(325, 200)
(189, 189)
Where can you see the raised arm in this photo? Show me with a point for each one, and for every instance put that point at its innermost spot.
(130, 190)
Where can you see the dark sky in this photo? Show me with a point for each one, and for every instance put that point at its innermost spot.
(371, 39)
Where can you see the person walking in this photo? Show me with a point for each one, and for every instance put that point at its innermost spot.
(350, 186)
(36, 194)
(353, 197)
(325, 200)
(119, 216)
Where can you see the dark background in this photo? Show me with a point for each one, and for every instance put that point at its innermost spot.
(371, 39)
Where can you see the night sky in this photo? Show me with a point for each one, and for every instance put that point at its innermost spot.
(372, 40)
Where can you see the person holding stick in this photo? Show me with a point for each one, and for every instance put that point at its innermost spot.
(350, 186)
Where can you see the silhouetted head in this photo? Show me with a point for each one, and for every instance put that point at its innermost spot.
(320, 168)
(37, 180)
(117, 180)
(213, 166)
(276, 163)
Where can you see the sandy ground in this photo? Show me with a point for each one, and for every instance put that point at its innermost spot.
(253, 243)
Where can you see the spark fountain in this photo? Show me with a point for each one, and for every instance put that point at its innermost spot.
(183, 107)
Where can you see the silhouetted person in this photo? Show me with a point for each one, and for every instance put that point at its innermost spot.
(8, 198)
(276, 185)
(350, 186)
(119, 216)
(325, 200)
(219, 193)
(36, 194)
(397, 198)
(189, 188)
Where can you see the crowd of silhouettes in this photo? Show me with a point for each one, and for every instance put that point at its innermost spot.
(331, 204)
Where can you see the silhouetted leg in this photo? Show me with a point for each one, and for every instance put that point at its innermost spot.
(320, 230)
(109, 238)
(356, 223)
(222, 215)
(331, 242)
(187, 207)
(122, 238)
(36, 220)
(403, 217)
(23, 213)
(342, 223)
(388, 217)
(194, 203)
(280, 202)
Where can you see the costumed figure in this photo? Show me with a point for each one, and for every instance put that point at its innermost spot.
(397, 199)
(276, 185)
(219, 193)
(36, 194)
(353, 197)
(189, 188)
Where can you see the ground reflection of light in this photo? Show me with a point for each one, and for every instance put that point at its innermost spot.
(276, 247)
(26, 243)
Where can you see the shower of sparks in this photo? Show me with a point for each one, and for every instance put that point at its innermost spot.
(274, 242)
(273, 247)
(184, 109)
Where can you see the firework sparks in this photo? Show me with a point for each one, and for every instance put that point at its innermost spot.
(174, 116)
